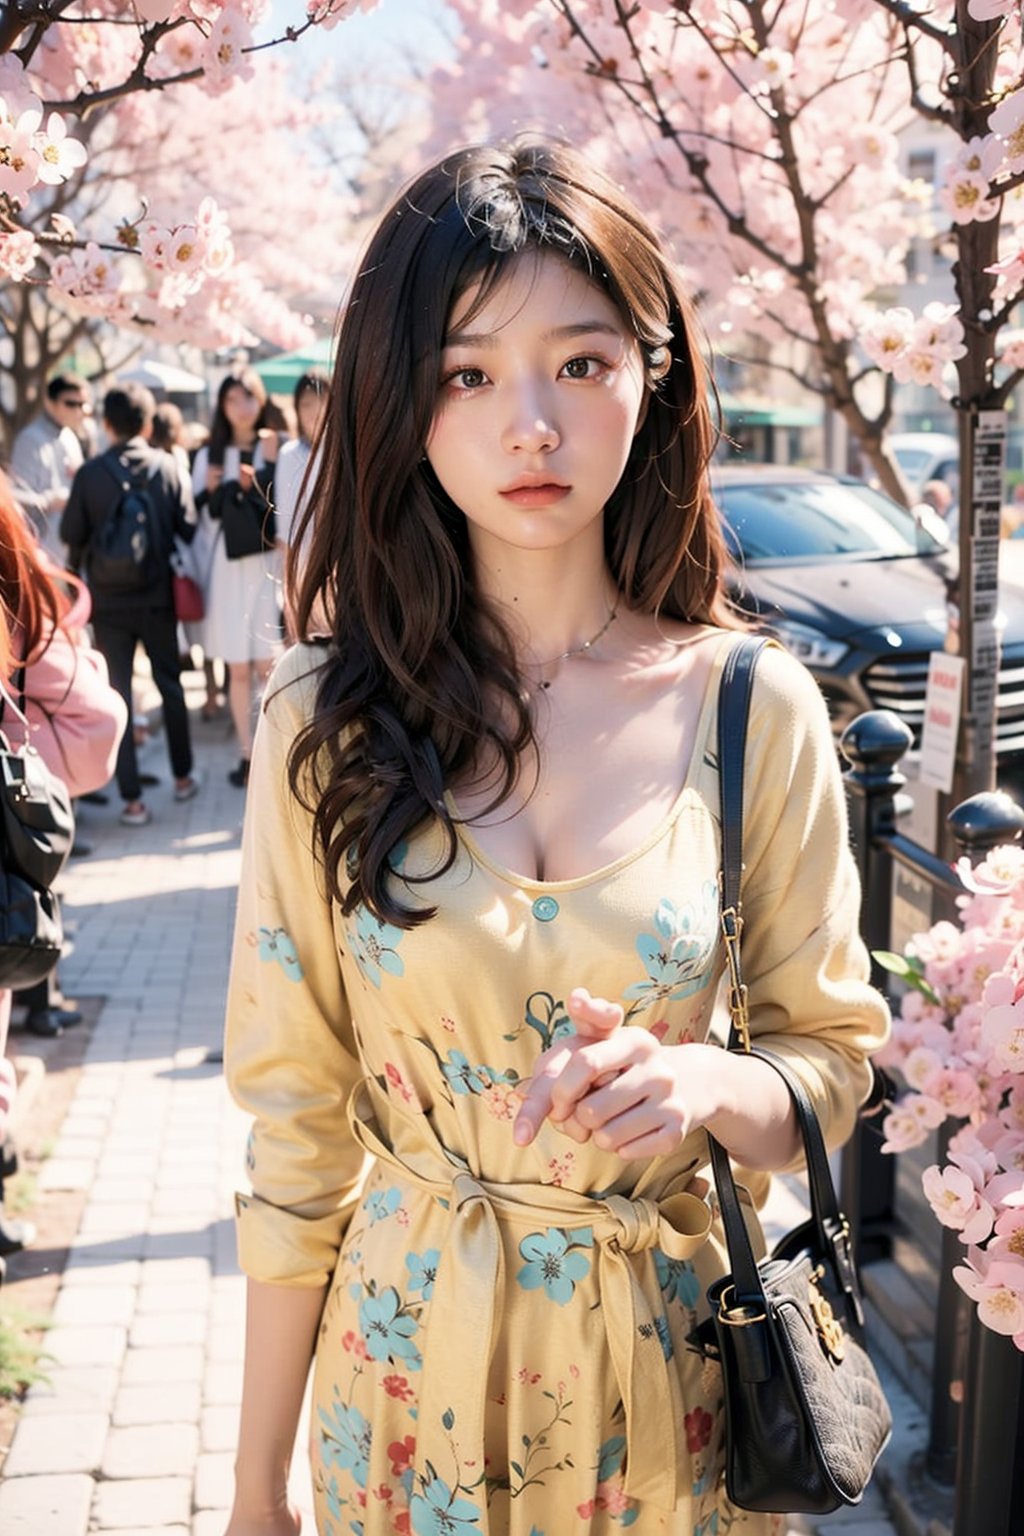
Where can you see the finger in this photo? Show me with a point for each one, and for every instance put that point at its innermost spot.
(594, 1063)
(643, 1131)
(593, 1015)
(536, 1095)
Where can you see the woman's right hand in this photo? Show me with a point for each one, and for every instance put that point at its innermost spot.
(214, 476)
(285, 1521)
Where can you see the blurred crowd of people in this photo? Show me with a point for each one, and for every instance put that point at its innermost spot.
(81, 598)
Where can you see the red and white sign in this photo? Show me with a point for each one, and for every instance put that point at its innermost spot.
(941, 720)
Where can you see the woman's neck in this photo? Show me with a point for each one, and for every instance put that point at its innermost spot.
(554, 602)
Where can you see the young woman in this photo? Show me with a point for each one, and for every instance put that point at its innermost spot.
(477, 949)
(243, 595)
(292, 474)
(72, 716)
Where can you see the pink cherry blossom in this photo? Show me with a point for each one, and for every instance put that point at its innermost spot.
(1002, 1036)
(18, 254)
(19, 157)
(957, 1203)
(990, 10)
(59, 155)
(902, 1130)
(1007, 120)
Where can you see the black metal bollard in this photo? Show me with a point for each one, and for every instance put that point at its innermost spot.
(990, 1466)
(873, 744)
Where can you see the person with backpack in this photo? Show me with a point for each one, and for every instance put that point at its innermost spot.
(126, 508)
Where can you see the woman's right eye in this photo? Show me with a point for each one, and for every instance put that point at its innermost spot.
(467, 379)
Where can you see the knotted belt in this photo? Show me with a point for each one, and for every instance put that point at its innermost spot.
(470, 1285)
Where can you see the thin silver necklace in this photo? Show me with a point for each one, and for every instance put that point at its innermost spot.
(578, 650)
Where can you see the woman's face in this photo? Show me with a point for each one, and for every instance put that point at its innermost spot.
(310, 409)
(541, 394)
(241, 410)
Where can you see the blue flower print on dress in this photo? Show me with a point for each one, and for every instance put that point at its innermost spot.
(677, 1279)
(347, 1437)
(388, 1330)
(375, 946)
(677, 955)
(708, 1527)
(422, 1269)
(463, 1077)
(382, 1203)
(554, 1262)
(438, 1511)
(274, 944)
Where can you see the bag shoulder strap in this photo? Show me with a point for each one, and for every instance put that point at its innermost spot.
(733, 717)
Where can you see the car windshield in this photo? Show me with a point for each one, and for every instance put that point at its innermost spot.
(817, 520)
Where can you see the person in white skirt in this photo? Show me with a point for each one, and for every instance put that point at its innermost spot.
(243, 596)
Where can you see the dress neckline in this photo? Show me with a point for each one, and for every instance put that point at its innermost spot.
(578, 882)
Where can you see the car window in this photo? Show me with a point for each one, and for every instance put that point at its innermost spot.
(913, 461)
(816, 521)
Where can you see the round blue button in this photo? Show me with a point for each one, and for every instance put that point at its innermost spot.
(545, 908)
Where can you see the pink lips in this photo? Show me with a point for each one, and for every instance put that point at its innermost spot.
(534, 491)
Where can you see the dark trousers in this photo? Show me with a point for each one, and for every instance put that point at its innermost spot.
(116, 633)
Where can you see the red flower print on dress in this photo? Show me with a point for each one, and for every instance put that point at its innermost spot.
(402, 1526)
(397, 1086)
(353, 1344)
(660, 1029)
(383, 1493)
(398, 1386)
(527, 1377)
(401, 1453)
(698, 1425)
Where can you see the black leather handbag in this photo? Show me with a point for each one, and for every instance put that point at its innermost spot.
(37, 828)
(246, 515)
(806, 1417)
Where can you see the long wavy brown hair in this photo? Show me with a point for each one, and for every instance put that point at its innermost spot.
(32, 603)
(420, 679)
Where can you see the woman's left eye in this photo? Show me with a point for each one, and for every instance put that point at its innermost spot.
(583, 367)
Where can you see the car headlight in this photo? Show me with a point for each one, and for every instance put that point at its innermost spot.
(809, 645)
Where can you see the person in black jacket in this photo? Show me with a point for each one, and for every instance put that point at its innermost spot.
(130, 608)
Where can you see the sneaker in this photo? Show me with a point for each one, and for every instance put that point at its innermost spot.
(135, 814)
(187, 789)
(239, 776)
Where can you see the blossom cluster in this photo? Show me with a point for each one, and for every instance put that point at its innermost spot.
(705, 147)
(959, 1042)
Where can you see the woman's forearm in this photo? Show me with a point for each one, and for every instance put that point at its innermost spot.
(280, 1333)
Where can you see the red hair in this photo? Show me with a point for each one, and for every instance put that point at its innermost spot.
(32, 602)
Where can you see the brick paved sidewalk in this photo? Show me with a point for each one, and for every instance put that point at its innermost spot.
(135, 1431)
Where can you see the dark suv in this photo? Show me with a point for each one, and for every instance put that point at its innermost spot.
(858, 588)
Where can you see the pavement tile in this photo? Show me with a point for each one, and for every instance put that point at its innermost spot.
(125, 1273)
(81, 1345)
(176, 1270)
(191, 1297)
(175, 1402)
(113, 1220)
(95, 1304)
(211, 1522)
(143, 1367)
(56, 1506)
(140, 1502)
(222, 1383)
(72, 1389)
(90, 1248)
(168, 1328)
(215, 1480)
(51, 1444)
(218, 1428)
(66, 1173)
(151, 1450)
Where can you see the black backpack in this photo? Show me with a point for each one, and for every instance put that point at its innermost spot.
(121, 548)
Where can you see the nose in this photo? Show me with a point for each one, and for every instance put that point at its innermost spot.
(532, 425)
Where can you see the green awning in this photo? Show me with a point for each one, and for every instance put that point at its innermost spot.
(281, 373)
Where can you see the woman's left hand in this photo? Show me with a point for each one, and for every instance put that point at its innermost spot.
(621, 1087)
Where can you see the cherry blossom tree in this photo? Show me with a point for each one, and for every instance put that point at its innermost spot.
(766, 137)
(147, 171)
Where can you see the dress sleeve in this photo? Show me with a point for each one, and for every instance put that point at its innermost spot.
(804, 963)
(290, 1054)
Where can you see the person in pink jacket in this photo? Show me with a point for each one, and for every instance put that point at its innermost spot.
(54, 688)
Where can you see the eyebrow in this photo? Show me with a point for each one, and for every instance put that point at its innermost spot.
(559, 333)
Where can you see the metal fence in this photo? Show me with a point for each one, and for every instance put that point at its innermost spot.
(979, 1442)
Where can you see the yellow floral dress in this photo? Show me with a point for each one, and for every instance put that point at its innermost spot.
(506, 1344)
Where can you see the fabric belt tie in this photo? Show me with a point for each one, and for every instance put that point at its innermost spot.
(470, 1284)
